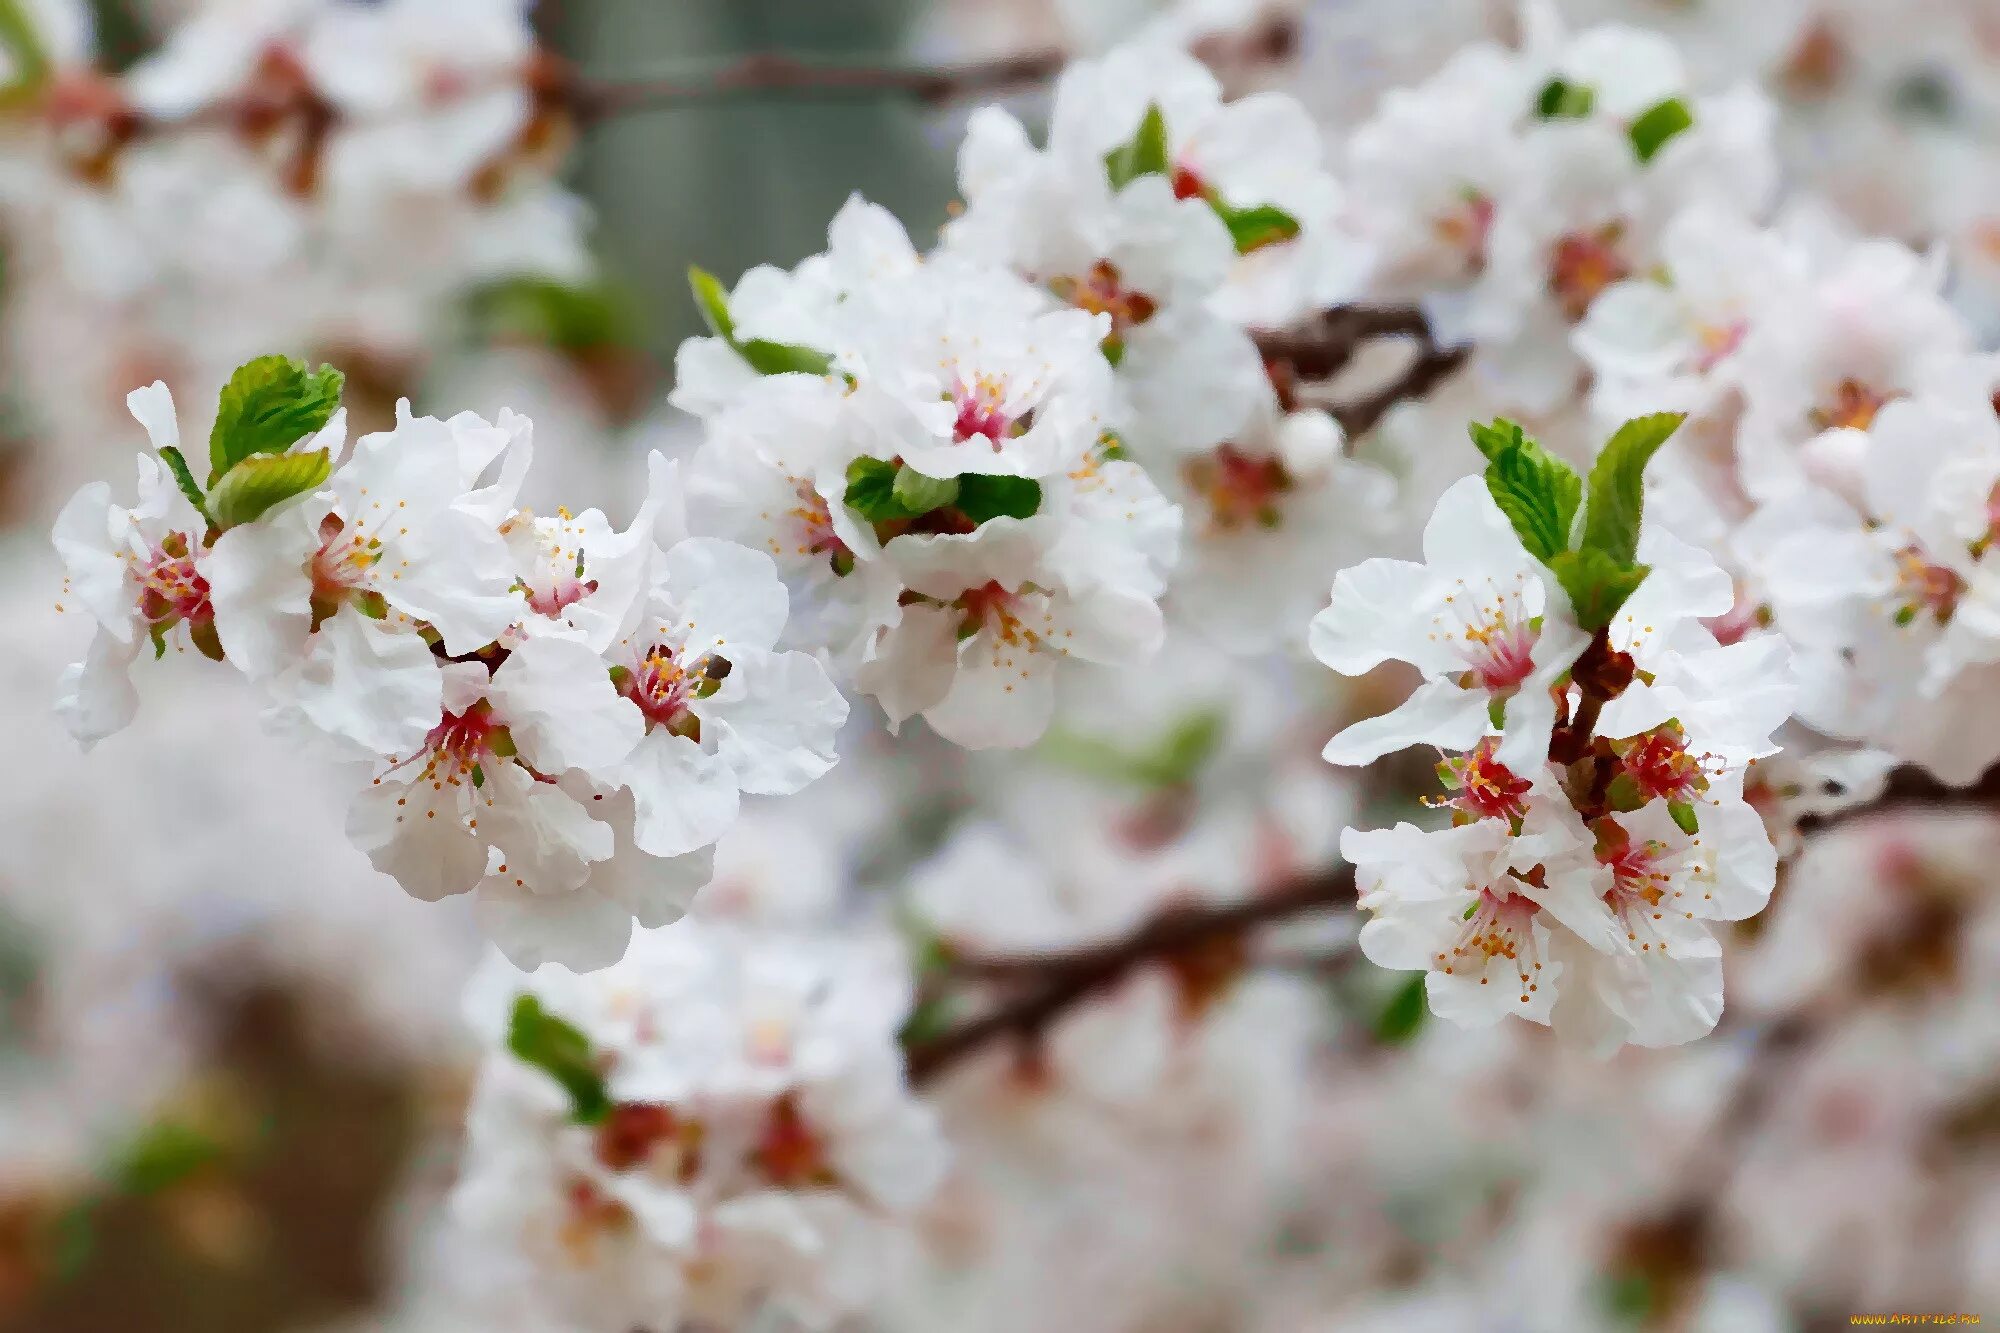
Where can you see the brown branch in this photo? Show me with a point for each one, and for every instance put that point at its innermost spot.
(1433, 366)
(1053, 984)
(1912, 788)
(1320, 348)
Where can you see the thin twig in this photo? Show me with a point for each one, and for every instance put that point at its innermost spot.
(1056, 983)
(1432, 367)
(1320, 348)
(1912, 788)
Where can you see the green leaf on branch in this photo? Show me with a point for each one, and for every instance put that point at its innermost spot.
(26, 53)
(561, 1051)
(164, 1154)
(268, 406)
(1402, 1018)
(871, 491)
(1174, 761)
(920, 494)
(1563, 100)
(1617, 485)
(982, 496)
(1597, 585)
(1538, 492)
(1658, 124)
(1144, 154)
(177, 464)
(1254, 228)
(252, 487)
(765, 357)
(565, 316)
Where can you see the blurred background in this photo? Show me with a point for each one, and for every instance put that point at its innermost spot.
(232, 1059)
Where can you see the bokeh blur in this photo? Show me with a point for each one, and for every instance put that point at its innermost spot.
(235, 1059)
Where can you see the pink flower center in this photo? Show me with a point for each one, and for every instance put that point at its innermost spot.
(982, 412)
(1583, 265)
(1925, 589)
(171, 589)
(1188, 183)
(1241, 488)
(1501, 925)
(1466, 229)
(1717, 343)
(1102, 291)
(1493, 635)
(816, 534)
(1483, 787)
(1853, 405)
(1661, 765)
(346, 555)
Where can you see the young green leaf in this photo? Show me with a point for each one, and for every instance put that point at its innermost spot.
(1563, 100)
(1144, 154)
(765, 357)
(177, 464)
(920, 494)
(1402, 1018)
(871, 491)
(259, 482)
(269, 405)
(1617, 485)
(1254, 228)
(982, 496)
(1494, 440)
(1597, 585)
(1538, 493)
(1658, 124)
(562, 1052)
(28, 57)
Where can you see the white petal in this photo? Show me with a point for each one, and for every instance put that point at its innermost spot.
(774, 719)
(261, 591)
(685, 798)
(579, 930)
(1439, 713)
(557, 699)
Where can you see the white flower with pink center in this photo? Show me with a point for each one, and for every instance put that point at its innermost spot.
(1487, 910)
(480, 794)
(1483, 621)
(961, 369)
(333, 601)
(990, 615)
(723, 712)
(141, 573)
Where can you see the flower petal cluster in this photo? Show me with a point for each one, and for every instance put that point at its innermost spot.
(922, 446)
(731, 1132)
(1593, 770)
(558, 716)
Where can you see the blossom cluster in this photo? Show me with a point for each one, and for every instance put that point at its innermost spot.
(715, 1129)
(1596, 739)
(326, 175)
(558, 715)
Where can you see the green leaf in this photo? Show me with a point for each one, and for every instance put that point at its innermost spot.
(713, 301)
(982, 496)
(765, 357)
(1144, 154)
(27, 54)
(1174, 761)
(1494, 440)
(1562, 100)
(920, 494)
(563, 1053)
(1403, 1017)
(1657, 124)
(1597, 584)
(1617, 485)
(568, 317)
(1253, 228)
(871, 491)
(164, 1154)
(1684, 817)
(1538, 492)
(269, 405)
(177, 464)
(257, 483)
